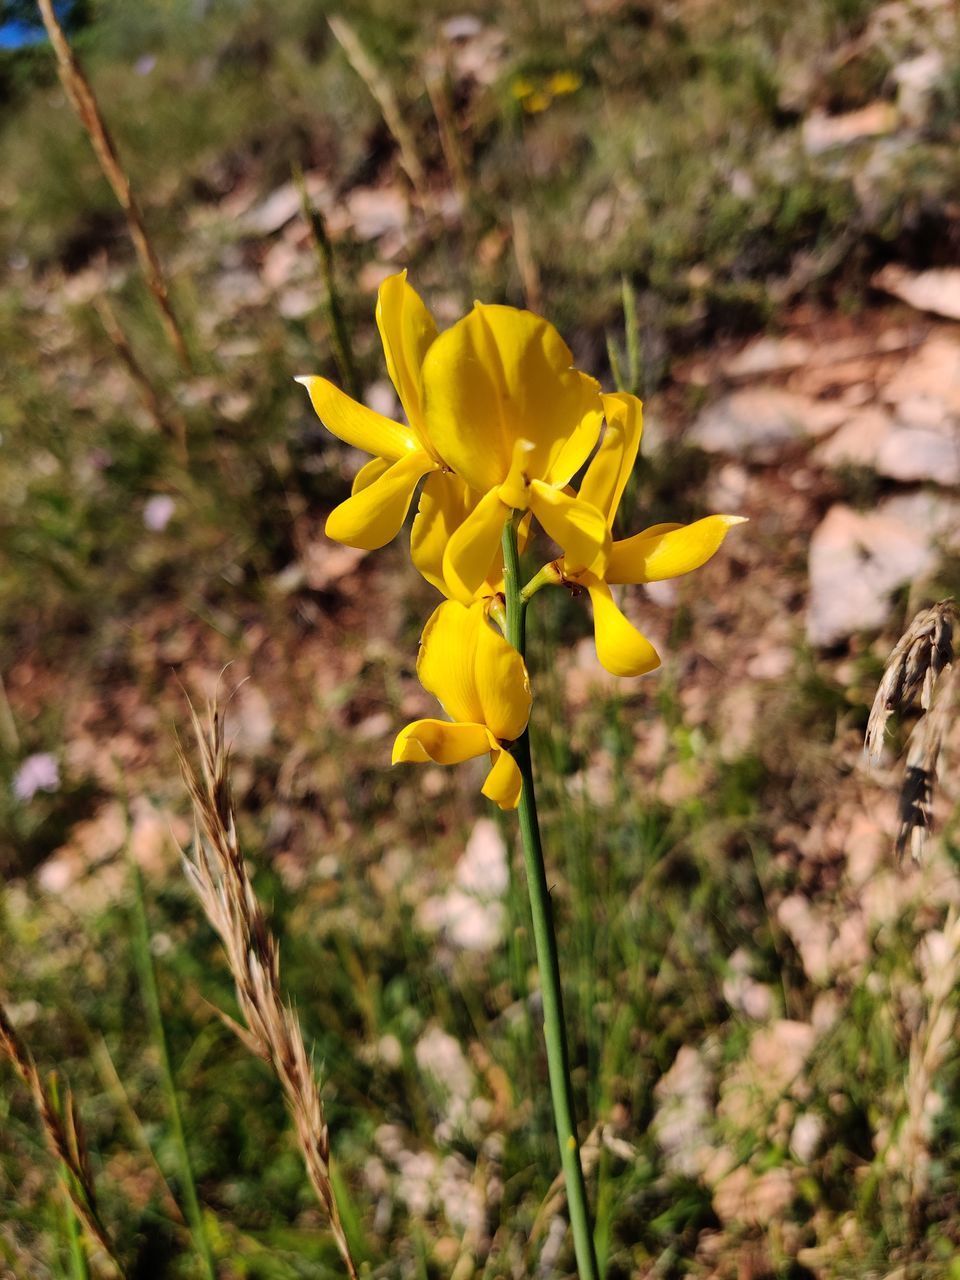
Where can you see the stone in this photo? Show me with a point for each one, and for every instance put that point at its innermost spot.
(858, 559)
(758, 424)
(916, 79)
(932, 374)
(822, 132)
(926, 448)
(767, 355)
(937, 290)
(683, 1108)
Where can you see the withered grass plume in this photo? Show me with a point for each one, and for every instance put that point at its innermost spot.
(271, 1029)
(913, 674)
(64, 1136)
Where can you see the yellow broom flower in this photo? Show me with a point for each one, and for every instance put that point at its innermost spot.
(402, 453)
(659, 552)
(509, 414)
(482, 684)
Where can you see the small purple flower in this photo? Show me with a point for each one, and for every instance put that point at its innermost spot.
(38, 772)
(157, 512)
(144, 65)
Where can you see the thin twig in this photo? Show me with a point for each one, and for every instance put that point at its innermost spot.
(271, 1029)
(169, 422)
(64, 1136)
(342, 346)
(80, 93)
(382, 91)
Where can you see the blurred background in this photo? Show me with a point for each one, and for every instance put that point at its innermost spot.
(746, 212)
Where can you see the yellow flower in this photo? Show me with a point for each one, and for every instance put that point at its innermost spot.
(402, 454)
(662, 551)
(481, 682)
(507, 412)
(564, 82)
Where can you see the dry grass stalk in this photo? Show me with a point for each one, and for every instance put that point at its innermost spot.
(271, 1028)
(930, 1046)
(913, 673)
(382, 91)
(80, 93)
(339, 329)
(64, 1136)
(168, 422)
(526, 262)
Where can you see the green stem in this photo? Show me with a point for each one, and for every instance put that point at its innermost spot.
(548, 962)
(151, 999)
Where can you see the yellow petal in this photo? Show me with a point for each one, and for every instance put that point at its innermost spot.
(373, 515)
(440, 741)
(576, 526)
(472, 552)
(622, 650)
(504, 782)
(665, 551)
(610, 467)
(500, 375)
(369, 472)
(503, 686)
(406, 330)
(355, 424)
(445, 502)
(446, 663)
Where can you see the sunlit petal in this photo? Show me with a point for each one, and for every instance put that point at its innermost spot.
(611, 465)
(440, 741)
(471, 554)
(573, 524)
(503, 686)
(369, 472)
(444, 505)
(446, 664)
(406, 330)
(355, 424)
(621, 648)
(371, 517)
(499, 375)
(504, 781)
(668, 551)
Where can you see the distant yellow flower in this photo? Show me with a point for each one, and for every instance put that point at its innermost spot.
(481, 682)
(662, 551)
(402, 454)
(564, 82)
(509, 414)
(536, 102)
(522, 88)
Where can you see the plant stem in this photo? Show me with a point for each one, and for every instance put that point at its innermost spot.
(151, 999)
(548, 962)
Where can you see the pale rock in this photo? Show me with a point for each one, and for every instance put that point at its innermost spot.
(282, 206)
(374, 211)
(663, 594)
(325, 563)
(728, 489)
(248, 721)
(771, 664)
(280, 264)
(774, 1061)
(767, 355)
(297, 301)
(751, 1200)
(857, 442)
(467, 922)
(930, 373)
(381, 397)
(826, 1012)
(857, 560)
(936, 290)
(483, 869)
(743, 993)
(821, 132)
(850, 949)
(439, 1056)
(810, 933)
(683, 1108)
(759, 423)
(866, 847)
(915, 452)
(806, 1136)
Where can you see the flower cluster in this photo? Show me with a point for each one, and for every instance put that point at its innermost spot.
(498, 424)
